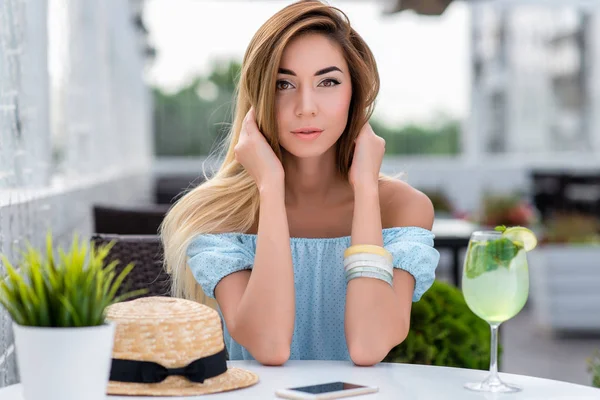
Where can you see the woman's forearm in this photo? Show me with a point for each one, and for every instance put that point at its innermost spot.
(264, 321)
(372, 322)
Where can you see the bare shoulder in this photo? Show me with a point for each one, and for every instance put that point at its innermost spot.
(403, 205)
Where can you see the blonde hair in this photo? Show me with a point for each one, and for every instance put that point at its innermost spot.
(229, 201)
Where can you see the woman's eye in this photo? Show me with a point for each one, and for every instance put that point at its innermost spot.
(283, 85)
(330, 83)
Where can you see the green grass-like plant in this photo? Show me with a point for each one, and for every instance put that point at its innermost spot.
(444, 332)
(594, 368)
(71, 290)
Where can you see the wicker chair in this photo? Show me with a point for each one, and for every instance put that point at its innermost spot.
(142, 220)
(146, 252)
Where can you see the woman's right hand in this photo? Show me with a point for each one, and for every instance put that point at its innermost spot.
(256, 155)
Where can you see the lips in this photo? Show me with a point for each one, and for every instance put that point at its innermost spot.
(307, 133)
(307, 130)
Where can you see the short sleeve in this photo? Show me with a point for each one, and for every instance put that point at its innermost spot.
(211, 257)
(413, 251)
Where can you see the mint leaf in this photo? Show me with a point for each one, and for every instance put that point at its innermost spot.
(500, 228)
(500, 252)
(477, 260)
(488, 256)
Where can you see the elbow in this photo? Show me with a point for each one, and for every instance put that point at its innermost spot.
(269, 347)
(366, 352)
(367, 355)
(271, 350)
(401, 334)
(273, 356)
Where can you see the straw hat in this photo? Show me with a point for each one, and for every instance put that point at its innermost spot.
(173, 333)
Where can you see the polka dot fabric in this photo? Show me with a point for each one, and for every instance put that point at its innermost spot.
(318, 278)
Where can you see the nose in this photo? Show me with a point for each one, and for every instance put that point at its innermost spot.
(306, 105)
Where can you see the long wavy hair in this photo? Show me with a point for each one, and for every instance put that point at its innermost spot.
(229, 201)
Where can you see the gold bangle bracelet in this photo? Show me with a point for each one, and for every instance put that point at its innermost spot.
(369, 249)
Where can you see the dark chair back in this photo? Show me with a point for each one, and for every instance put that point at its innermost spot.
(548, 192)
(170, 188)
(142, 220)
(146, 252)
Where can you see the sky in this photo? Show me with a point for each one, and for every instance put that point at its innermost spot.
(424, 62)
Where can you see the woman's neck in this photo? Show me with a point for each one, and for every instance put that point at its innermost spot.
(313, 181)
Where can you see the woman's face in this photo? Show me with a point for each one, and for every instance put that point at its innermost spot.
(313, 95)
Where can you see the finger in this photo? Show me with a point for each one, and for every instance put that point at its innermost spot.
(246, 124)
(360, 135)
(250, 115)
(251, 126)
(364, 130)
(248, 118)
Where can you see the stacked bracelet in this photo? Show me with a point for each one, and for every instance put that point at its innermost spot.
(368, 261)
(368, 249)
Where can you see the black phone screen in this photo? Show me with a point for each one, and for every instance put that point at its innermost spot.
(327, 387)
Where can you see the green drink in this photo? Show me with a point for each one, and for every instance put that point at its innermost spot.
(495, 284)
(499, 294)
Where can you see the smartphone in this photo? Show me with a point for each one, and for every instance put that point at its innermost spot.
(330, 390)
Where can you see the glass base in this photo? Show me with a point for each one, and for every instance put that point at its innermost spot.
(492, 385)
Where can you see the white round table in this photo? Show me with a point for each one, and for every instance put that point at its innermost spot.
(395, 381)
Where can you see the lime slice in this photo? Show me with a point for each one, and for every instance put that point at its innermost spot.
(523, 235)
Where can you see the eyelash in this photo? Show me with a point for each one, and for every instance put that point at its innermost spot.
(334, 82)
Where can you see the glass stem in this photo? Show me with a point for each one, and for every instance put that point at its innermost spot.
(494, 353)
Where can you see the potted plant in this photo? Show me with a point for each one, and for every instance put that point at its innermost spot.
(506, 209)
(565, 274)
(57, 303)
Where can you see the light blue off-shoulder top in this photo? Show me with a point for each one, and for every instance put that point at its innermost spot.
(319, 281)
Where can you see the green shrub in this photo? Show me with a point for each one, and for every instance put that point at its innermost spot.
(444, 331)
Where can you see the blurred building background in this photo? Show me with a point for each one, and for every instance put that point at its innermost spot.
(536, 79)
(492, 108)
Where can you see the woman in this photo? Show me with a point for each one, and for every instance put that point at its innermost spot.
(274, 236)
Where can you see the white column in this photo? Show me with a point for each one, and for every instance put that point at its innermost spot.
(471, 134)
(11, 49)
(593, 83)
(34, 97)
(77, 90)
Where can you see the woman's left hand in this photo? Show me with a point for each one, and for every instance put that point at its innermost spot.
(366, 164)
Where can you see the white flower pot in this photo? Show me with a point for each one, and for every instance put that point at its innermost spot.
(64, 363)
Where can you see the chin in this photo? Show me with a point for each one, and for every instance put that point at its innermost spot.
(309, 149)
(306, 152)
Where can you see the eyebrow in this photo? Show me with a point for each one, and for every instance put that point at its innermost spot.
(319, 72)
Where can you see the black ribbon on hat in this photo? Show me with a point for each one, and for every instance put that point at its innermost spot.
(150, 372)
